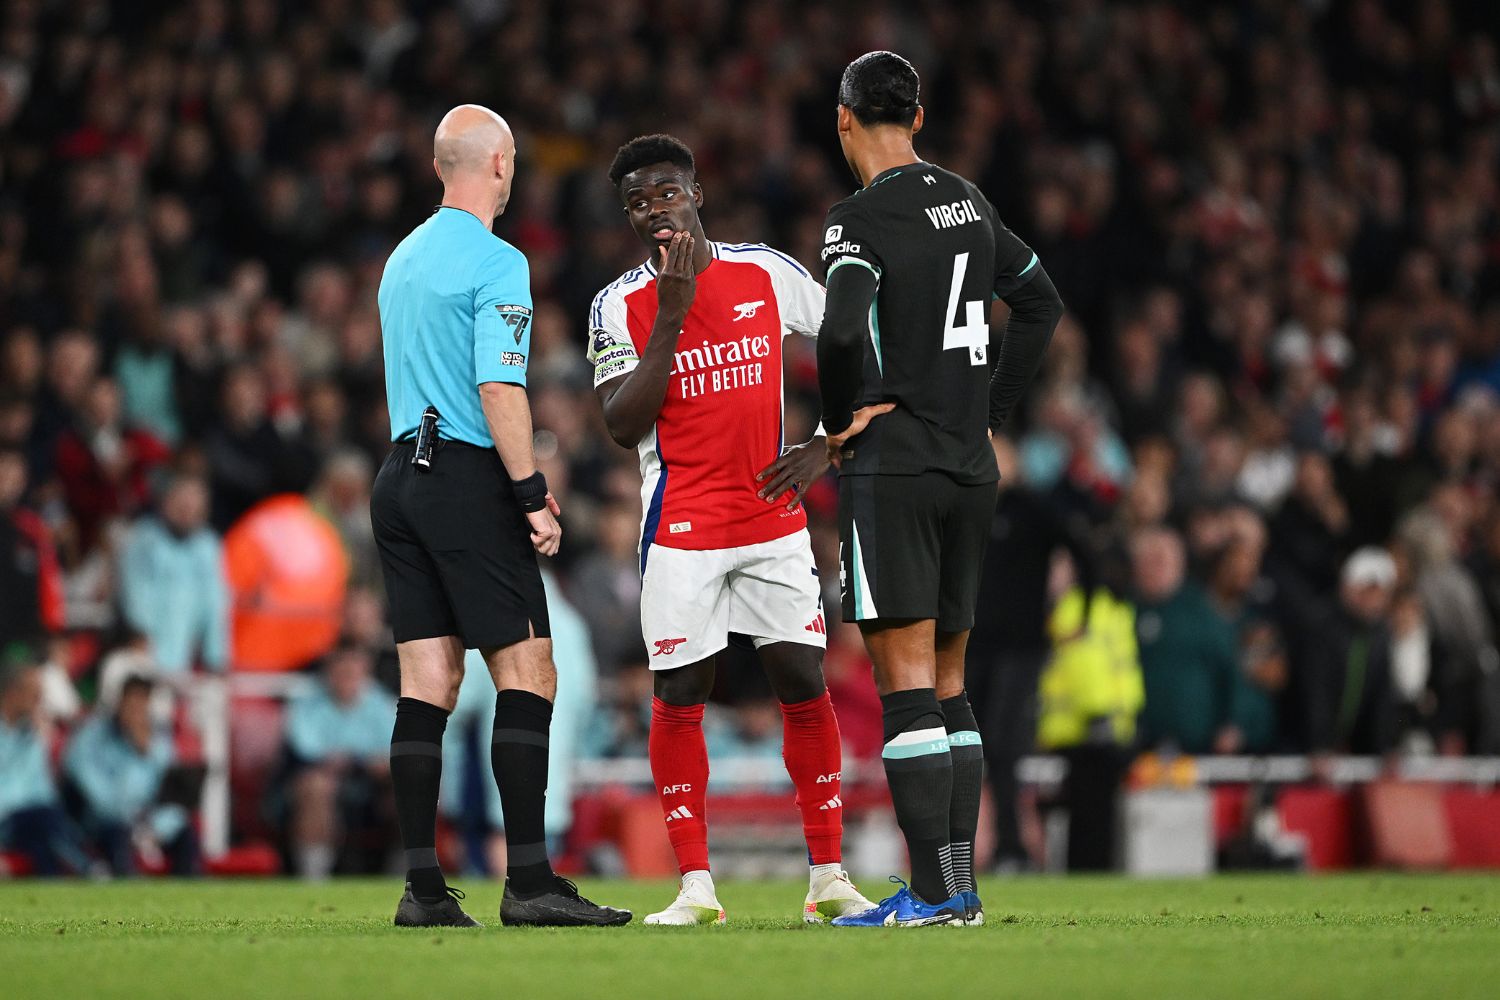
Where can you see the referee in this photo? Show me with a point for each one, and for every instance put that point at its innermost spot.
(913, 260)
(460, 513)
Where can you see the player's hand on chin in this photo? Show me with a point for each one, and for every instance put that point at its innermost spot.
(546, 533)
(676, 281)
(862, 418)
(797, 469)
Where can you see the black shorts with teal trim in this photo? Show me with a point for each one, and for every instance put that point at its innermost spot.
(913, 547)
(455, 549)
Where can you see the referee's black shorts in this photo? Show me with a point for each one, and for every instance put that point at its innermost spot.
(455, 549)
(913, 547)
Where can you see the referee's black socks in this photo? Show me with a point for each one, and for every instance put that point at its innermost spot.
(518, 753)
(967, 753)
(920, 774)
(416, 772)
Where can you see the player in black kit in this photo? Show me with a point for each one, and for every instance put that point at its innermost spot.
(913, 384)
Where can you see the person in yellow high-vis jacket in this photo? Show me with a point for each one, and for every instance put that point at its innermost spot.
(1092, 689)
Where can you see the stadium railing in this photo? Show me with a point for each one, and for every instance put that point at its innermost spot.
(212, 699)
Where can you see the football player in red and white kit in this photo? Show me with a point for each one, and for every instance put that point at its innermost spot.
(686, 350)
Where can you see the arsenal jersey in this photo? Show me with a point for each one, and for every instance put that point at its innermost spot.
(722, 419)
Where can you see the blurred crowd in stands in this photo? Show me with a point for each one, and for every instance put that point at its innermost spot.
(1250, 506)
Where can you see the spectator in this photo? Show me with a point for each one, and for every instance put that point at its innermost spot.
(247, 457)
(1091, 693)
(1194, 688)
(1246, 600)
(72, 363)
(1270, 466)
(325, 420)
(22, 362)
(1347, 667)
(608, 583)
(622, 723)
(1484, 563)
(1310, 539)
(1073, 446)
(29, 574)
(1416, 669)
(288, 577)
(146, 368)
(342, 495)
(104, 465)
(1367, 475)
(172, 581)
(32, 822)
(131, 657)
(365, 626)
(1454, 606)
(115, 765)
(311, 333)
(338, 736)
(1143, 385)
(17, 414)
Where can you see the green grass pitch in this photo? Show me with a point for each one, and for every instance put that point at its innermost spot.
(1266, 937)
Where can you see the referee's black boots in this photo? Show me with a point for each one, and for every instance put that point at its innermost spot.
(559, 906)
(445, 912)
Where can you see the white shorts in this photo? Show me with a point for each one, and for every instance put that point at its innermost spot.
(691, 599)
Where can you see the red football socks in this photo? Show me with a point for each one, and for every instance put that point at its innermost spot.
(814, 759)
(679, 764)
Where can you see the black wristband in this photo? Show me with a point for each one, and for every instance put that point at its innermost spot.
(837, 424)
(531, 492)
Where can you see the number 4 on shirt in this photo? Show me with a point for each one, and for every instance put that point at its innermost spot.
(974, 335)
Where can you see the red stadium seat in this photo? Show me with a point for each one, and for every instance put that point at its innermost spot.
(1474, 819)
(1407, 825)
(13, 865)
(642, 838)
(1325, 817)
(253, 859)
(1229, 811)
(255, 728)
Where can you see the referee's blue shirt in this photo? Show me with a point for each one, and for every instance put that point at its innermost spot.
(455, 312)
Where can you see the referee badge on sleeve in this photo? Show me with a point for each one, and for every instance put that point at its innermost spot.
(518, 318)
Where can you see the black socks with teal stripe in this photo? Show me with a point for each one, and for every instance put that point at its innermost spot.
(920, 773)
(967, 753)
(519, 752)
(416, 772)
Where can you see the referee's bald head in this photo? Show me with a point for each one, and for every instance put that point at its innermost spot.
(474, 149)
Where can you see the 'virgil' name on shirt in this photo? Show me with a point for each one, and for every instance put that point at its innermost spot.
(956, 214)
